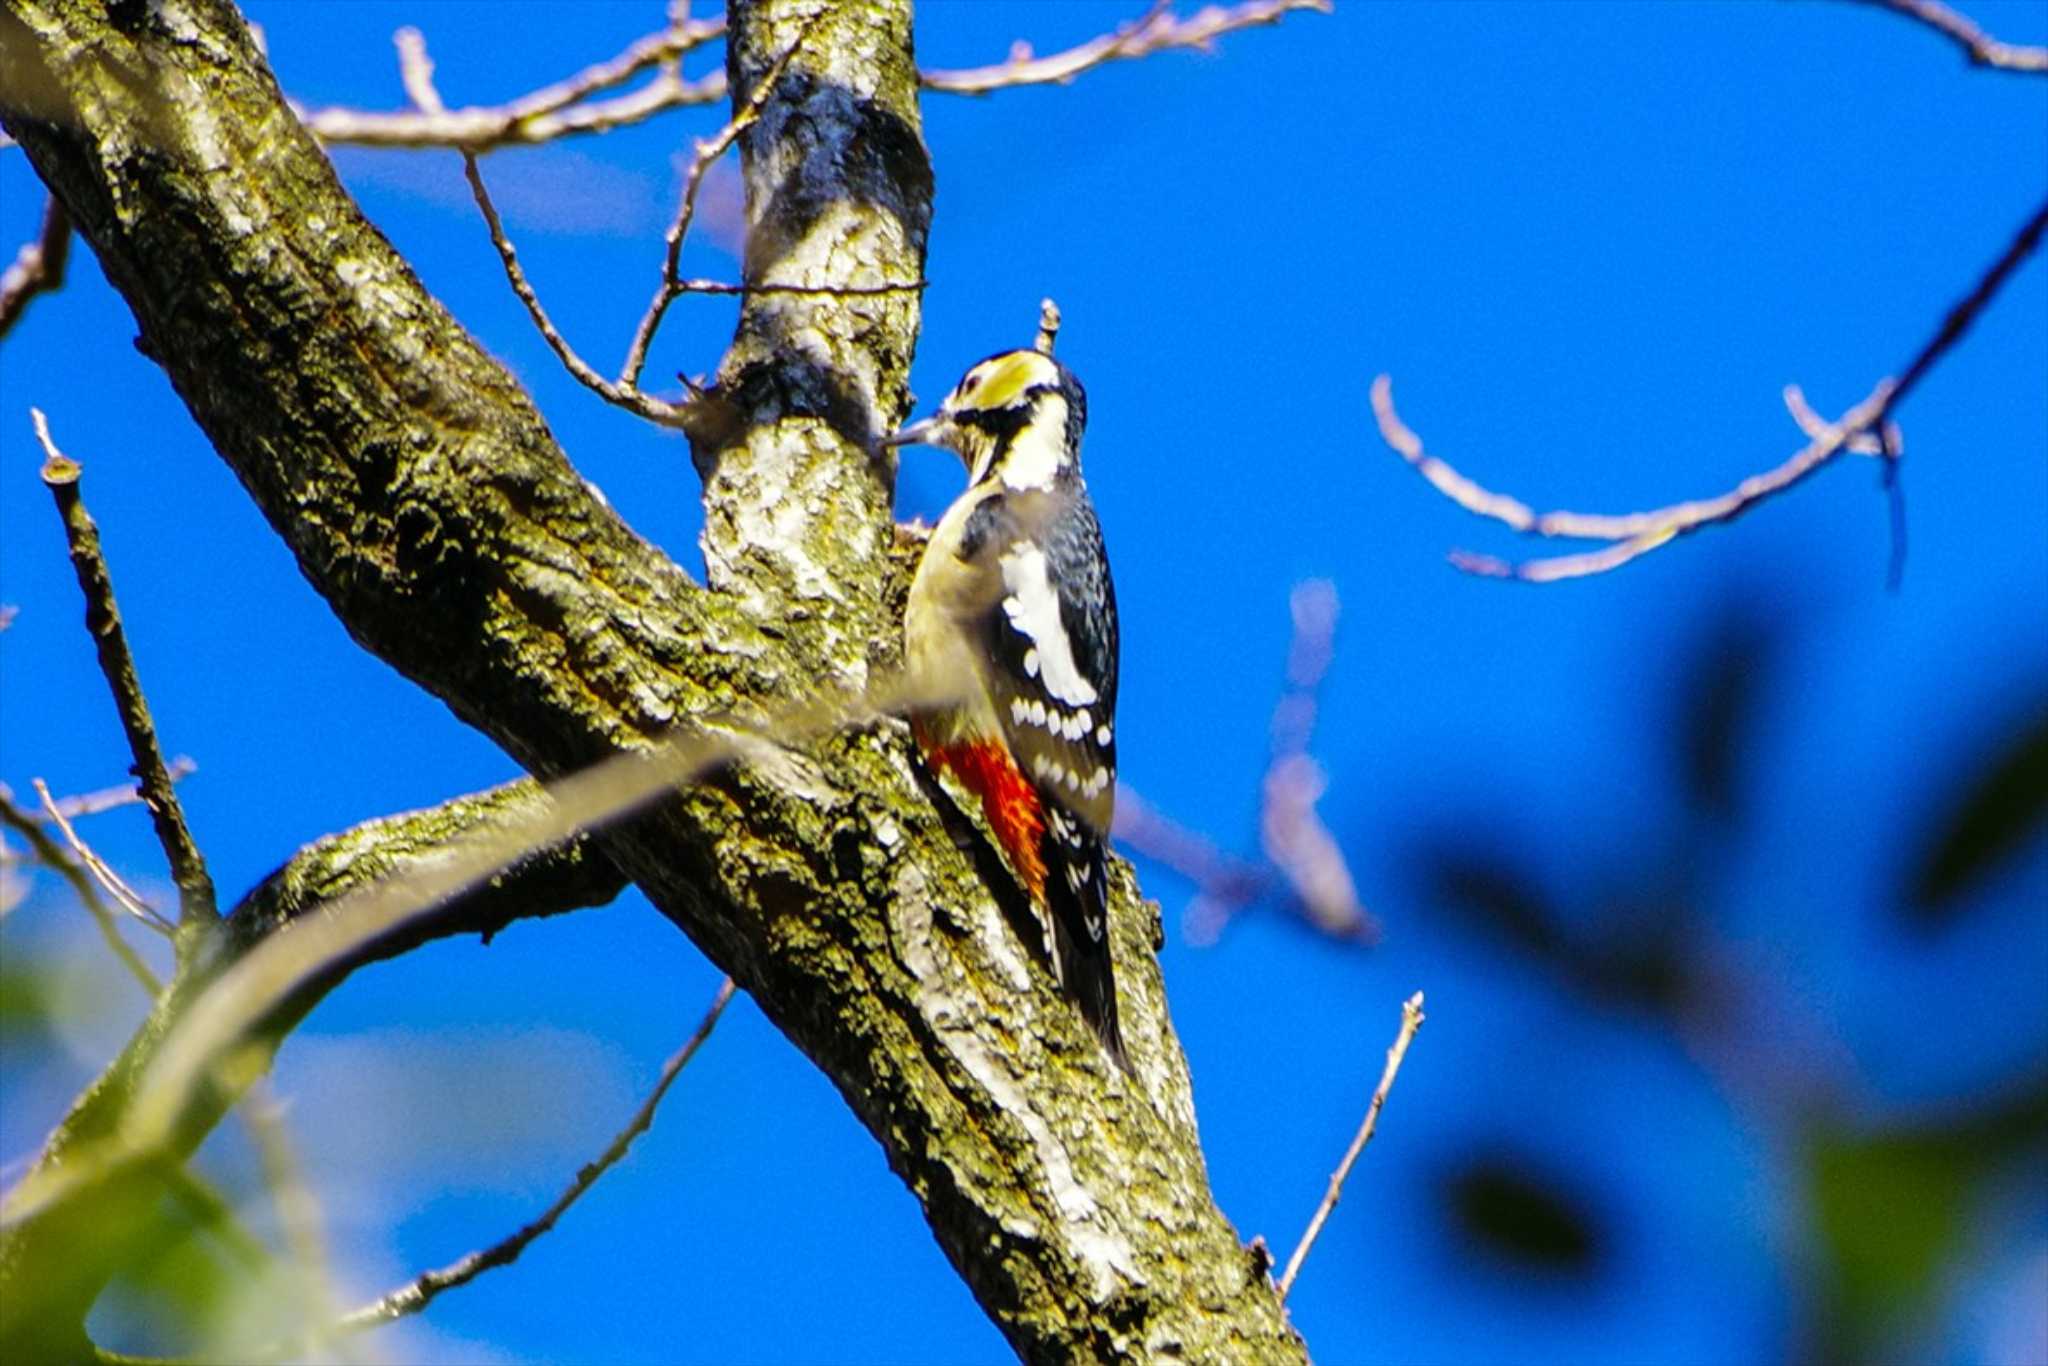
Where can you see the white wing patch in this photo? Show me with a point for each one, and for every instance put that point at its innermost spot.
(1033, 607)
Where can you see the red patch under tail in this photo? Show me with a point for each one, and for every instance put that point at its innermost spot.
(1007, 798)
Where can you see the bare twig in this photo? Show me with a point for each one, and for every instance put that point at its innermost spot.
(126, 897)
(1411, 1020)
(1048, 327)
(1865, 428)
(1979, 47)
(416, 71)
(103, 620)
(1157, 30)
(38, 267)
(114, 798)
(48, 854)
(419, 1293)
(555, 111)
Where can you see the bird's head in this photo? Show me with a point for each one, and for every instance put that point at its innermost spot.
(1016, 416)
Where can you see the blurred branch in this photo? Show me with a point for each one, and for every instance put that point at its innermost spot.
(298, 1209)
(48, 854)
(1635, 534)
(1300, 851)
(419, 1293)
(1979, 47)
(38, 267)
(1158, 30)
(55, 1258)
(277, 975)
(117, 663)
(1411, 1020)
(1291, 829)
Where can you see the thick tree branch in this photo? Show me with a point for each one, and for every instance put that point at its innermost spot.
(424, 497)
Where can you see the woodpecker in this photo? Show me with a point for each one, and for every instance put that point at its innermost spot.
(1012, 618)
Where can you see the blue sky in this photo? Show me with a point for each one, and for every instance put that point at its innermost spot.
(1590, 243)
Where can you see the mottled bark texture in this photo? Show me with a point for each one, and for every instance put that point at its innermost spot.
(426, 500)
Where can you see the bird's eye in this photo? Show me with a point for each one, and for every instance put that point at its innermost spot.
(969, 385)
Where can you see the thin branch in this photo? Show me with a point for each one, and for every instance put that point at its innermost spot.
(54, 858)
(416, 71)
(1638, 533)
(419, 1293)
(108, 799)
(1411, 1020)
(60, 475)
(626, 396)
(1158, 30)
(708, 151)
(38, 267)
(1979, 47)
(552, 112)
(126, 897)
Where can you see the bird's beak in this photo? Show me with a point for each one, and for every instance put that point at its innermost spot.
(916, 434)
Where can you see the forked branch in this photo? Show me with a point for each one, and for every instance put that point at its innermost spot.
(1866, 428)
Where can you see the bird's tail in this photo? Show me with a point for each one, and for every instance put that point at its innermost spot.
(1077, 902)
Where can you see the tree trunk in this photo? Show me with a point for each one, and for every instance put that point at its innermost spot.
(425, 499)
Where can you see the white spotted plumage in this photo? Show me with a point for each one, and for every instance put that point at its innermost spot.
(1012, 612)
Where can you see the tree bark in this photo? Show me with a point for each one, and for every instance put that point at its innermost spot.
(425, 499)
